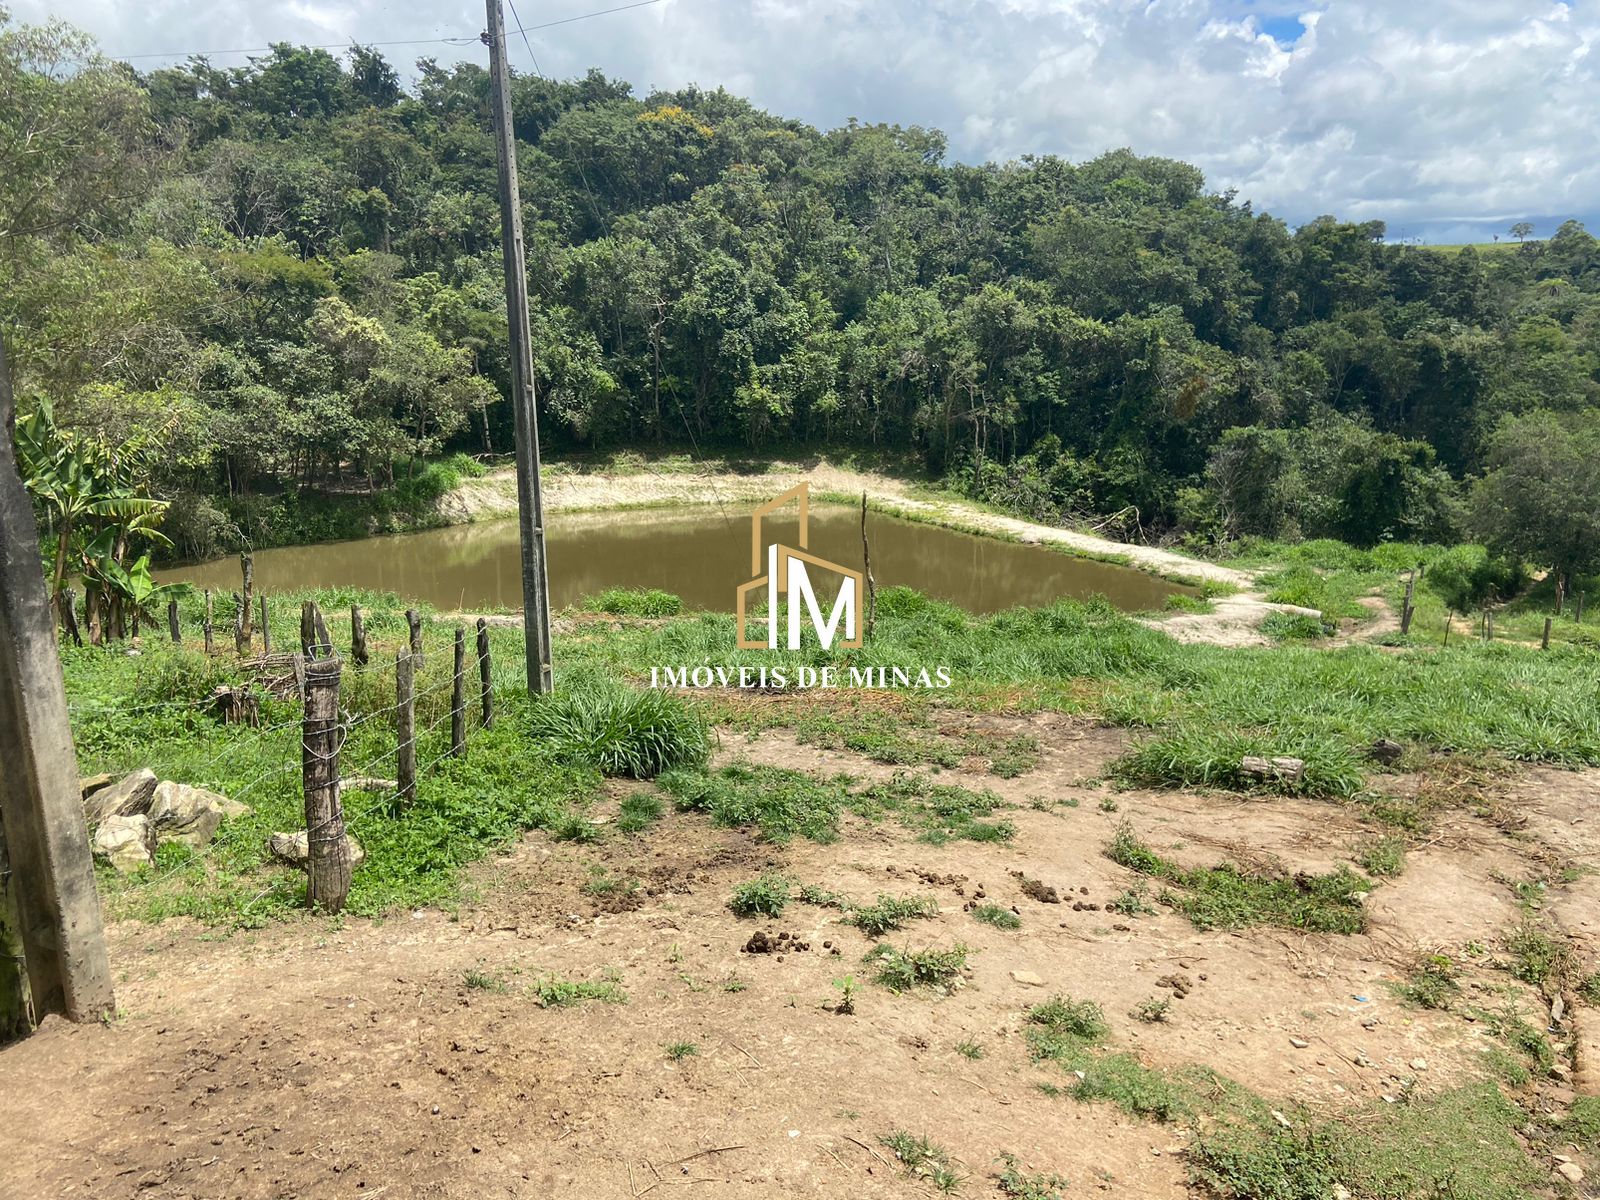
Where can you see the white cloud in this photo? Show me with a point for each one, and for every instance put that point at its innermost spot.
(1422, 114)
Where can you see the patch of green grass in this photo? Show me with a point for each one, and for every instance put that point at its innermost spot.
(1582, 1122)
(482, 981)
(1225, 897)
(1432, 984)
(923, 1160)
(1520, 1036)
(678, 1051)
(1332, 593)
(902, 970)
(1013, 1181)
(1152, 1011)
(1133, 902)
(621, 731)
(1082, 1021)
(635, 602)
(969, 1049)
(899, 738)
(602, 884)
(1461, 1144)
(1384, 857)
(639, 811)
(1538, 956)
(943, 812)
(552, 991)
(1296, 627)
(780, 802)
(1013, 757)
(1000, 918)
(890, 912)
(1211, 755)
(764, 896)
(1182, 602)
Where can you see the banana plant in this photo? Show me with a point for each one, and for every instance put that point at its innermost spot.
(90, 502)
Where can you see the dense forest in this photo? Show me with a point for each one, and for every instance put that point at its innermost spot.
(237, 288)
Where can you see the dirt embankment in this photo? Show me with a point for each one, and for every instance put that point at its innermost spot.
(1234, 620)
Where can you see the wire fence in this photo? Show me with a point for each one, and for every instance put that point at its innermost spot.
(355, 744)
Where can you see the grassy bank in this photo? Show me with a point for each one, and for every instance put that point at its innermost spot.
(1198, 710)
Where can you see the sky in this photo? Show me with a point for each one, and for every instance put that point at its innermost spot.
(1448, 119)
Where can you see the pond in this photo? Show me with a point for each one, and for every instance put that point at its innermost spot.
(700, 553)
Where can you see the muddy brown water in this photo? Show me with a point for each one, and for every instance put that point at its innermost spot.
(701, 554)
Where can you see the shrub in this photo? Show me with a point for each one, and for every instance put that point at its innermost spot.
(764, 896)
(621, 731)
(891, 912)
(635, 602)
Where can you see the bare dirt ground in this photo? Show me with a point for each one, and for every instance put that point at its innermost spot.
(319, 1059)
(1233, 621)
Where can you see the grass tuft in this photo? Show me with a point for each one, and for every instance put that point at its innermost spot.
(620, 731)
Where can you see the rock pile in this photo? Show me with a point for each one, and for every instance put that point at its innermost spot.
(129, 817)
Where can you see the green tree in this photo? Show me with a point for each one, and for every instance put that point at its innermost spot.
(1539, 500)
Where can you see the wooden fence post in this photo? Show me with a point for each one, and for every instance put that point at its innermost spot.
(414, 622)
(51, 871)
(1406, 607)
(358, 636)
(314, 639)
(247, 568)
(485, 674)
(208, 628)
(1447, 619)
(405, 719)
(266, 629)
(328, 850)
(1577, 615)
(172, 622)
(458, 698)
(1544, 642)
(69, 613)
(241, 640)
(866, 571)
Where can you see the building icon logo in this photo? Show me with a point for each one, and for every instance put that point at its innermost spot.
(787, 578)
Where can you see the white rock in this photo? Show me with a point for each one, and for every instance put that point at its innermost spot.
(126, 842)
(190, 815)
(128, 797)
(292, 849)
(1571, 1172)
(1298, 1043)
(1419, 1064)
(1027, 978)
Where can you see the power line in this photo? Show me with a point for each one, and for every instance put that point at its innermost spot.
(460, 40)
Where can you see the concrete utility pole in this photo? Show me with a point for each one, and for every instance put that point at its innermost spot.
(530, 503)
(51, 885)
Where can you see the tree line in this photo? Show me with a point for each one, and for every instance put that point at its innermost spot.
(289, 273)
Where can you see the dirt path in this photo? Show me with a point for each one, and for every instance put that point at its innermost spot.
(1234, 620)
(412, 1059)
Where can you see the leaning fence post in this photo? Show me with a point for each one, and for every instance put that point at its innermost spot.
(458, 698)
(266, 630)
(327, 849)
(1406, 608)
(208, 628)
(242, 632)
(358, 636)
(241, 640)
(485, 674)
(172, 622)
(405, 712)
(1544, 642)
(414, 621)
(41, 812)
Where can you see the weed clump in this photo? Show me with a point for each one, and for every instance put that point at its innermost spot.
(1014, 1182)
(1432, 984)
(621, 731)
(1384, 857)
(552, 991)
(781, 802)
(635, 602)
(903, 970)
(891, 912)
(1000, 918)
(923, 1160)
(1225, 897)
(764, 896)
